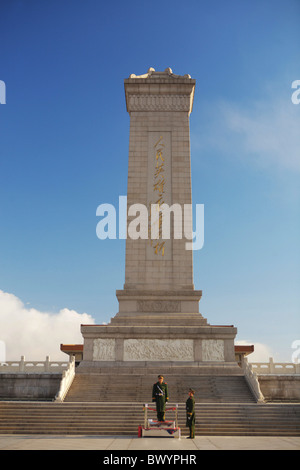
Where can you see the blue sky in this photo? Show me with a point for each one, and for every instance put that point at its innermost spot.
(64, 134)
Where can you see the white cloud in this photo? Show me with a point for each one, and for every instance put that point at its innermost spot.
(34, 334)
(269, 132)
(262, 352)
(266, 133)
(28, 332)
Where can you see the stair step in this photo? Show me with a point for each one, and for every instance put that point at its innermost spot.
(127, 388)
(124, 418)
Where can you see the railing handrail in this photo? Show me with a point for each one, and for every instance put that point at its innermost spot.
(23, 366)
(29, 367)
(271, 367)
(252, 380)
(66, 381)
(146, 407)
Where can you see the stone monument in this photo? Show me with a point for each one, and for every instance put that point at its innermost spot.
(158, 321)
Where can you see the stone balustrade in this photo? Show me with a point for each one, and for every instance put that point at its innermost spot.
(278, 368)
(252, 380)
(30, 367)
(260, 368)
(66, 381)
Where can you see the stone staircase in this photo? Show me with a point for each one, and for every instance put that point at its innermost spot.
(212, 419)
(112, 404)
(138, 388)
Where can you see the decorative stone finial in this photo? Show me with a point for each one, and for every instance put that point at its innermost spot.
(151, 73)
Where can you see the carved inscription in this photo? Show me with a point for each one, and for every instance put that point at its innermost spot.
(159, 193)
(158, 190)
(158, 306)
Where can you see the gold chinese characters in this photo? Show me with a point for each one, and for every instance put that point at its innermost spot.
(158, 187)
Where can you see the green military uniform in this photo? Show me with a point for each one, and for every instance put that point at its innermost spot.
(190, 416)
(160, 396)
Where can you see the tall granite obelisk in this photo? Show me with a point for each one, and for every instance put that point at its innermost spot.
(159, 272)
(158, 321)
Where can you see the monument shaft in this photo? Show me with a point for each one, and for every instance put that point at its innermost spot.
(159, 172)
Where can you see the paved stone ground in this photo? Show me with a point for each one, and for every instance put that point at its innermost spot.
(113, 443)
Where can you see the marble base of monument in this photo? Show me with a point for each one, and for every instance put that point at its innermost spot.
(146, 333)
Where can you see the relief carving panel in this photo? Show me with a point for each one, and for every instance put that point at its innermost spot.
(158, 350)
(104, 349)
(213, 350)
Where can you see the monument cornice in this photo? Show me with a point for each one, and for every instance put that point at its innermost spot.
(123, 331)
(159, 294)
(159, 91)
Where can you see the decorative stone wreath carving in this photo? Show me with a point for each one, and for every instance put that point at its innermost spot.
(159, 102)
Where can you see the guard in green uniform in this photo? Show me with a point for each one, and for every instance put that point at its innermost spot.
(160, 396)
(190, 414)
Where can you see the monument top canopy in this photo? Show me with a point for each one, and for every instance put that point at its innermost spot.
(167, 74)
(159, 91)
